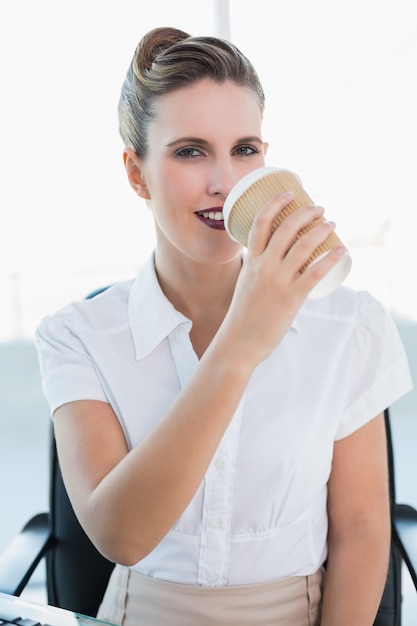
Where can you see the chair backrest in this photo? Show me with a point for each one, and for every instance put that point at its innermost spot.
(389, 613)
(76, 573)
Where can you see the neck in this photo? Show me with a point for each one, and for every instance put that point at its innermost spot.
(199, 290)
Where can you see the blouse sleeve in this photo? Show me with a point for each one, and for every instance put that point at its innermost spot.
(67, 370)
(379, 371)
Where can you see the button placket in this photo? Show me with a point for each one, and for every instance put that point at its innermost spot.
(212, 569)
(216, 510)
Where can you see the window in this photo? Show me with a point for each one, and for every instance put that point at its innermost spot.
(340, 112)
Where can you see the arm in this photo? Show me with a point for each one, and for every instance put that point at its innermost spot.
(359, 528)
(128, 501)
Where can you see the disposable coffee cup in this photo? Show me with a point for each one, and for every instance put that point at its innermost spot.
(256, 189)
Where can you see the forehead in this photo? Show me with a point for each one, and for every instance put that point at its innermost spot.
(205, 106)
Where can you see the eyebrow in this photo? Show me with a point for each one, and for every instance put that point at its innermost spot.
(203, 142)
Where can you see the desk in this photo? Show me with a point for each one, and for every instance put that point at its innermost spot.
(13, 607)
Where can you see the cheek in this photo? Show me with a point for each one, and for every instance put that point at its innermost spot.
(182, 178)
(178, 188)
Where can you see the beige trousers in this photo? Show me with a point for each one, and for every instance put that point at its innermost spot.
(132, 599)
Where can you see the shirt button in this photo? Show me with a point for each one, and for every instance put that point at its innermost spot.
(212, 578)
(215, 522)
(219, 464)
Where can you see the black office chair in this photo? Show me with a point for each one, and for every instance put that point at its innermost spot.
(77, 574)
(403, 546)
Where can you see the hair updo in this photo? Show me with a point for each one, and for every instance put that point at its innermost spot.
(167, 59)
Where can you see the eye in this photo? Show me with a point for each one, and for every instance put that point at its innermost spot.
(188, 152)
(245, 150)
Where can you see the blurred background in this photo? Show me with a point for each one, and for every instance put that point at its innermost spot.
(341, 100)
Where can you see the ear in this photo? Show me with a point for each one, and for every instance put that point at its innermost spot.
(133, 165)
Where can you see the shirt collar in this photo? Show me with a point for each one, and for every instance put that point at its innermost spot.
(152, 317)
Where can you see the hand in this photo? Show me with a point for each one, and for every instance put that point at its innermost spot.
(271, 288)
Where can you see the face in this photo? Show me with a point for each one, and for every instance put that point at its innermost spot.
(203, 139)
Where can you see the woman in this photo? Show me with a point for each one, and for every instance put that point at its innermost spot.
(221, 437)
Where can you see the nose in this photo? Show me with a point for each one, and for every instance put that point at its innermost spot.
(222, 178)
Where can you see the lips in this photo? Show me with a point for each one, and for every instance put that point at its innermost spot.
(212, 218)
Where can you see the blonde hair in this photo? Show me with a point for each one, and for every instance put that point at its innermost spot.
(167, 59)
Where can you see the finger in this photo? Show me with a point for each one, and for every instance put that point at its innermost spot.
(308, 279)
(304, 246)
(262, 228)
(296, 225)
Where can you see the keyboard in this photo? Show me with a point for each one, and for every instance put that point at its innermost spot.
(20, 612)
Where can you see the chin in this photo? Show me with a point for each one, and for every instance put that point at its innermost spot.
(221, 255)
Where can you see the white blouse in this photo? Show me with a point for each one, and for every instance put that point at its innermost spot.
(260, 513)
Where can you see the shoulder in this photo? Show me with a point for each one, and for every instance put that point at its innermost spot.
(355, 320)
(346, 307)
(103, 312)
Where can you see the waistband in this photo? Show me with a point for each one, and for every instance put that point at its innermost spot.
(132, 599)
